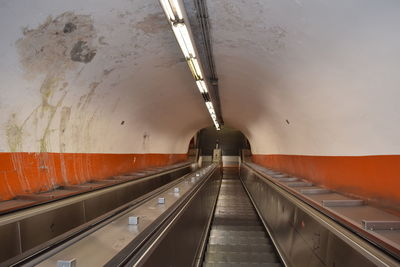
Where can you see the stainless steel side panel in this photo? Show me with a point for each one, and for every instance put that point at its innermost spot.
(179, 245)
(302, 237)
(31, 229)
(43, 227)
(9, 241)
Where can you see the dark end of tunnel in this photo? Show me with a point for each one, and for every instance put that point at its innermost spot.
(229, 140)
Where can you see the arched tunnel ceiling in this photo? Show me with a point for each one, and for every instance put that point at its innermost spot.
(310, 77)
(102, 76)
(297, 77)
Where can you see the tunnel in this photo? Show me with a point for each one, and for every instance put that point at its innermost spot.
(199, 133)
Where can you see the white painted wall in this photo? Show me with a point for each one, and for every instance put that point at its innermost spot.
(49, 102)
(331, 68)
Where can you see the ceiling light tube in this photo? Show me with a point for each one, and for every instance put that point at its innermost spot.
(202, 86)
(187, 39)
(196, 72)
(182, 35)
(181, 41)
(168, 10)
(174, 12)
(209, 105)
(197, 67)
(211, 110)
(178, 9)
(216, 125)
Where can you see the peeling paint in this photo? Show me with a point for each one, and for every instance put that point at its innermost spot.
(69, 102)
(69, 27)
(81, 52)
(107, 71)
(47, 48)
(102, 41)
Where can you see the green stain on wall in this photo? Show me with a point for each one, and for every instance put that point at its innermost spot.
(64, 119)
(14, 134)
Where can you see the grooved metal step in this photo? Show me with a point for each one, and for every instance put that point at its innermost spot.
(237, 236)
(241, 257)
(221, 233)
(240, 248)
(238, 227)
(233, 221)
(241, 240)
(247, 264)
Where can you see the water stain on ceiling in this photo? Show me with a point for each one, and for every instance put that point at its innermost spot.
(153, 23)
(56, 44)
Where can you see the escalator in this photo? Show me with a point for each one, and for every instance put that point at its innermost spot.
(210, 217)
(237, 235)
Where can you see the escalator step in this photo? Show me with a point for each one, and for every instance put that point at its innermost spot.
(222, 233)
(235, 221)
(238, 227)
(247, 264)
(238, 240)
(240, 248)
(237, 236)
(241, 257)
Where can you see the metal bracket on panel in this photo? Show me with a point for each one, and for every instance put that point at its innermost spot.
(288, 179)
(133, 220)
(381, 225)
(66, 263)
(342, 202)
(311, 191)
(299, 184)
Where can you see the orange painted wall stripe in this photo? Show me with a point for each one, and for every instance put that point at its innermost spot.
(375, 178)
(23, 172)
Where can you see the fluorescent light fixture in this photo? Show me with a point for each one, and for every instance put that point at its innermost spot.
(177, 8)
(187, 39)
(202, 86)
(195, 69)
(181, 42)
(168, 10)
(174, 13)
(172, 9)
(182, 35)
(216, 125)
(210, 108)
